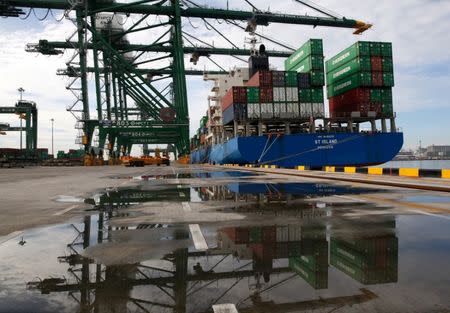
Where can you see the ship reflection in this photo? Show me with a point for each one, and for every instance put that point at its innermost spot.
(246, 267)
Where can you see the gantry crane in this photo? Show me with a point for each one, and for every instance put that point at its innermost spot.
(138, 100)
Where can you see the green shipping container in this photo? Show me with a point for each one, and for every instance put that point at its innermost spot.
(375, 49)
(252, 94)
(387, 110)
(317, 78)
(361, 48)
(317, 95)
(366, 277)
(388, 80)
(255, 235)
(360, 64)
(349, 83)
(318, 280)
(290, 78)
(386, 96)
(386, 49)
(375, 95)
(314, 263)
(304, 95)
(388, 65)
(311, 63)
(312, 47)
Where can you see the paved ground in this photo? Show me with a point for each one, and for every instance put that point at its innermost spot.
(198, 239)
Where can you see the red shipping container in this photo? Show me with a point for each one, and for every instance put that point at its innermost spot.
(376, 107)
(377, 79)
(265, 95)
(236, 94)
(238, 235)
(269, 234)
(261, 79)
(377, 64)
(229, 231)
(282, 250)
(263, 252)
(242, 235)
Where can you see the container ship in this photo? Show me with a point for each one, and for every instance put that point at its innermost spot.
(261, 116)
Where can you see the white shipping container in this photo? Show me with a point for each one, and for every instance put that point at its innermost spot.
(253, 110)
(291, 94)
(279, 109)
(295, 233)
(282, 233)
(293, 109)
(305, 110)
(266, 110)
(279, 94)
(318, 110)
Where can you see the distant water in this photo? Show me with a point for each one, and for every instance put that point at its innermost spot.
(425, 164)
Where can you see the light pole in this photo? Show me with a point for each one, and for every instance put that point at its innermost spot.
(21, 91)
(53, 153)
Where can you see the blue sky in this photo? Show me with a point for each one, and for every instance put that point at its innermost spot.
(418, 30)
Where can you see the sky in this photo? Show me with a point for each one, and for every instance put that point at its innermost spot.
(417, 28)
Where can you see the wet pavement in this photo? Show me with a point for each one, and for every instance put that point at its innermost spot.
(186, 239)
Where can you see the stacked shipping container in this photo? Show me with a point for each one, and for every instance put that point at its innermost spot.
(307, 62)
(360, 81)
(367, 260)
(273, 95)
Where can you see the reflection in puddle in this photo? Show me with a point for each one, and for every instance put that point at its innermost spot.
(200, 175)
(260, 192)
(319, 261)
(427, 199)
(250, 266)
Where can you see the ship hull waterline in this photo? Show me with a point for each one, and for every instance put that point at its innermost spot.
(311, 150)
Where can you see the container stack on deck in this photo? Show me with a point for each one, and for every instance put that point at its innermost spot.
(291, 95)
(200, 136)
(360, 81)
(308, 63)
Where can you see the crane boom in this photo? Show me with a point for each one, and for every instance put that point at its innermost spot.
(262, 18)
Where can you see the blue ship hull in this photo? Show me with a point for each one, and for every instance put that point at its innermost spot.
(313, 150)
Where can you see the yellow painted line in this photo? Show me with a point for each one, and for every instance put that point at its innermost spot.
(445, 173)
(409, 172)
(300, 168)
(351, 170)
(375, 171)
(330, 169)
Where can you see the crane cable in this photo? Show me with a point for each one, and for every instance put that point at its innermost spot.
(29, 12)
(57, 19)
(237, 25)
(320, 9)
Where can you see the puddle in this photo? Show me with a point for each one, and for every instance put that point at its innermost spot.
(241, 191)
(280, 268)
(427, 199)
(300, 254)
(199, 175)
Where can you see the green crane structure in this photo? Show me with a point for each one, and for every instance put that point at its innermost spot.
(121, 75)
(26, 110)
